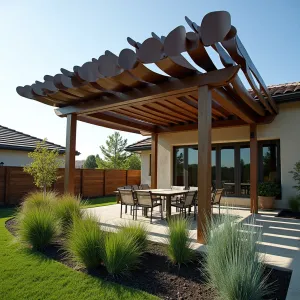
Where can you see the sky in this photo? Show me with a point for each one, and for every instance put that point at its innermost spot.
(40, 37)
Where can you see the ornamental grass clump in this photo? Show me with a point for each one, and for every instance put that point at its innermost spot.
(39, 200)
(37, 227)
(138, 232)
(232, 264)
(121, 254)
(178, 244)
(66, 209)
(84, 242)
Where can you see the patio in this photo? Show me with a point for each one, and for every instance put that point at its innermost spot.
(280, 236)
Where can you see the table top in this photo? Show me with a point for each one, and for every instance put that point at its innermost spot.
(163, 192)
(232, 183)
(166, 192)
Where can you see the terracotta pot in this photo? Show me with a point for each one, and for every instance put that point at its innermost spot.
(266, 202)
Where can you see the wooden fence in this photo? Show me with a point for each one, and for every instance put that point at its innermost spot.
(15, 183)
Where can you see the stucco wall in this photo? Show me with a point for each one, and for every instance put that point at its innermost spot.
(145, 160)
(285, 127)
(15, 158)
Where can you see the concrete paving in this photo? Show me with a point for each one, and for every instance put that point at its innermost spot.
(280, 243)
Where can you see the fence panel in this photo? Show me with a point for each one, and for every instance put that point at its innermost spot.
(113, 180)
(15, 183)
(133, 177)
(19, 184)
(2, 184)
(92, 183)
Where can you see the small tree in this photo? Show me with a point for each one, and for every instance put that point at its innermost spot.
(296, 175)
(90, 162)
(44, 166)
(134, 162)
(114, 153)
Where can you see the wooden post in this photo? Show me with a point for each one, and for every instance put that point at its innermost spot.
(253, 169)
(154, 161)
(69, 184)
(204, 160)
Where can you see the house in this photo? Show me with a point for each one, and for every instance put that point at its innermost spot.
(15, 146)
(206, 128)
(278, 151)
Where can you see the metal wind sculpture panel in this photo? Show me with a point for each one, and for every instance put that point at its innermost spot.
(115, 75)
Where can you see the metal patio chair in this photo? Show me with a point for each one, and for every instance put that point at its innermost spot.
(146, 200)
(126, 198)
(216, 199)
(187, 202)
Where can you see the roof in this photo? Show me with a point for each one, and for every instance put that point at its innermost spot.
(11, 139)
(123, 92)
(283, 91)
(140, 145)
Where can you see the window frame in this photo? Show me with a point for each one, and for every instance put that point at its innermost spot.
(237, 172)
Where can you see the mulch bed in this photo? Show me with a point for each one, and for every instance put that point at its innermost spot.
(287, 213)
(159, 277)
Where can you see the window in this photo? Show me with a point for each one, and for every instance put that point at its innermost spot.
(179, 167)
(230, 166)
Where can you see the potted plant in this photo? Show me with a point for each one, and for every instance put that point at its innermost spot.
(267, 191)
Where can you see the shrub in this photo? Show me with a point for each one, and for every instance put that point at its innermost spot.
(294, 203)
(84, 242)
(296, 175)
(37, 200)
(231, 262)
(138, 232)
(268, 189)
(66, 209)
(178, 249)
(121, 253)
(37, 227)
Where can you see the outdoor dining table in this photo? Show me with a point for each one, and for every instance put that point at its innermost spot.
(167, 194)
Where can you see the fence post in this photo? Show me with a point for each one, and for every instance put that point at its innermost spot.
(104, 183)
(126, 177)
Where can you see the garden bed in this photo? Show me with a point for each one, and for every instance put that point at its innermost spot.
(159, 277)
(287, 213)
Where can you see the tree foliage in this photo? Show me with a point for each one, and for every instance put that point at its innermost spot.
(44, 165)
(90, 162)
(115, 156)
(134, 162)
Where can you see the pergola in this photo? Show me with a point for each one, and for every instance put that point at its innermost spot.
(121, 92)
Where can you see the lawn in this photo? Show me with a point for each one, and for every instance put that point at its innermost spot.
(27, 275)
(102, 201)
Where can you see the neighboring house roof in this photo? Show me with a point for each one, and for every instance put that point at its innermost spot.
(280, 92)
(15, 140)
(285, 92)
(141, 145)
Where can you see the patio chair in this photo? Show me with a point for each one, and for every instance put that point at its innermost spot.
(213, 194)
(135, 187)
(126, 197)
(144, 186)
(146, 200)
(188, 202)
(216, 200)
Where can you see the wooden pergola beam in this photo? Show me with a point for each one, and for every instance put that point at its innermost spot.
(124, 121)
(69, 180)
(111, 125)
(171, 87)
(204, 161)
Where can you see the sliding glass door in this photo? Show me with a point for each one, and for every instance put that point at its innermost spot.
(230, 166)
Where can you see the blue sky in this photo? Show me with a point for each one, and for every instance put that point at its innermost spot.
(40, 37)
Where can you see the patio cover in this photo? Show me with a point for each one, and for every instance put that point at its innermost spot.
(122, 92)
